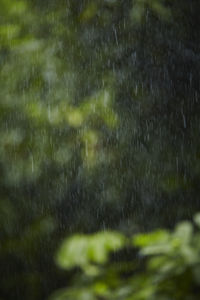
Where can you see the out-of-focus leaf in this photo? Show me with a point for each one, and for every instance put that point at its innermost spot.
(183, 232)
(153, 243)
(197, 219)
(82, 250)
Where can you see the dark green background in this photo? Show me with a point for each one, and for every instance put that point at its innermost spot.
(99, 126)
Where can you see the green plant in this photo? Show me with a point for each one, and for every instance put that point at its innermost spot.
(167, 265)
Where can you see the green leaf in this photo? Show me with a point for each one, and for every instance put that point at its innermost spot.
(183, 232)
(197, 219)
(82, 250)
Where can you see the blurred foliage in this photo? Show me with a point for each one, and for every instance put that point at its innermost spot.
(99, 126)
(167, 265)
(80, 250)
